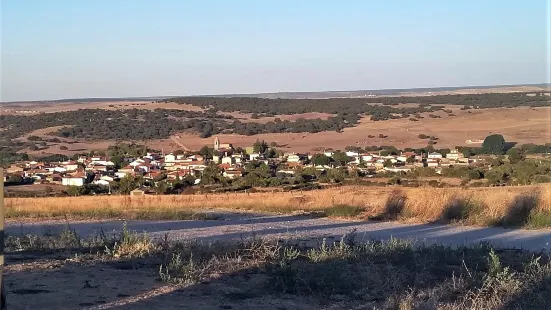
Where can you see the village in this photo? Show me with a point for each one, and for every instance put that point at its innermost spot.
(100, 170)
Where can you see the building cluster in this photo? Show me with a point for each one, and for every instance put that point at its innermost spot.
(102, 171)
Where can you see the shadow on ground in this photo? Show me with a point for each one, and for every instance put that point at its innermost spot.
(383, 279)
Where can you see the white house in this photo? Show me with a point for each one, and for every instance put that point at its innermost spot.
(455, 154)
(70, 166)
(170, 158)
(432, 163)
(434, 155)
(232, 174)
(402, 158)
(254, 156)
(367, 157)
(328, 154)
(107, 178)
(228, 160)
(238, 158)
(57, 169)
(293, 158)
(352, 154)
(121, 174)
(398, 169)
(101, 182)
(72, 181)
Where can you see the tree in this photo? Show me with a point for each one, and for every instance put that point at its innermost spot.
(129, 183)
(15, 178)
(271, 153)
(410, 160)
(494, 144)
(211, 174)
(341, 158)
(474, 174)
(63, 147)
(496, 162)
(387, 163)
(260, 146)
(321, 160)
(161, 187)
(74, 191)
(495, 176)
(206, 151)
(515, 155)
(34, 138)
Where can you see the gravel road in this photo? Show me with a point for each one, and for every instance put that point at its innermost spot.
(235, 226)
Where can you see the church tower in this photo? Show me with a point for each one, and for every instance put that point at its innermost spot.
(216, 144)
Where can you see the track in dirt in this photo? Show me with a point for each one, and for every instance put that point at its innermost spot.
(237, 226)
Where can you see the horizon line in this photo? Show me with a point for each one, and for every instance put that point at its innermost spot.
(544, 84)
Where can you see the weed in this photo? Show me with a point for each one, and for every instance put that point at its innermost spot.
(392, 274)
(520, 209)
(130, 244)
(539, 219)
(180, 271)
(343, 211)
(461, 209)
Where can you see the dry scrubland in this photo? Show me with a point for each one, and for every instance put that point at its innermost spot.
(507, 206)
(521, 125)
(131, 271)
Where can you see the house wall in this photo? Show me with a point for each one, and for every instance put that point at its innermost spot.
(72, 181)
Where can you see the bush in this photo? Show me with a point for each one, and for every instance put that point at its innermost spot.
(520, 209)
(394, 207)
(461, 209)
(343, 211)
(34, 138)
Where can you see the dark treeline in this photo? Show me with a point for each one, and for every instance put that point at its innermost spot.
(273, 107)
(139, 124)
(134, 124)
(367, 106)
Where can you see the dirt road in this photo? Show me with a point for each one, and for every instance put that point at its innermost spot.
(236, 226)
(175, 140)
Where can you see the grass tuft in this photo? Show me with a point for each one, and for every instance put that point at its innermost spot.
(392, 274)
(343, 211)
(462, 210)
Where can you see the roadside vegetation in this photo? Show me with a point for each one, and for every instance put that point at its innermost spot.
(528, 207)
(317, 274)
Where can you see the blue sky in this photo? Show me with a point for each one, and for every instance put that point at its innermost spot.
(104, 48)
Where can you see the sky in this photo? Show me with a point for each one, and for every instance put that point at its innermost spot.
(60, 49)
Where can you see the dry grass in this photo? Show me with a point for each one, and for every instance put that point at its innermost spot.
(67, 271)
(479, 206)
(522, 125)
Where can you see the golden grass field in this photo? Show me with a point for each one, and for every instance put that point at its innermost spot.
(521, 125)
(419, 204)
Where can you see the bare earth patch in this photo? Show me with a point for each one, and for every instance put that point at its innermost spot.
(522, 125)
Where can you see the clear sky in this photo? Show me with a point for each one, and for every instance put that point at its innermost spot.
(118, 48)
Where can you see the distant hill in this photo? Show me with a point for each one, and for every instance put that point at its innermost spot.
(303, 95)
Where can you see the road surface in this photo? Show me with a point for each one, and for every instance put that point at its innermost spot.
(236, 226)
